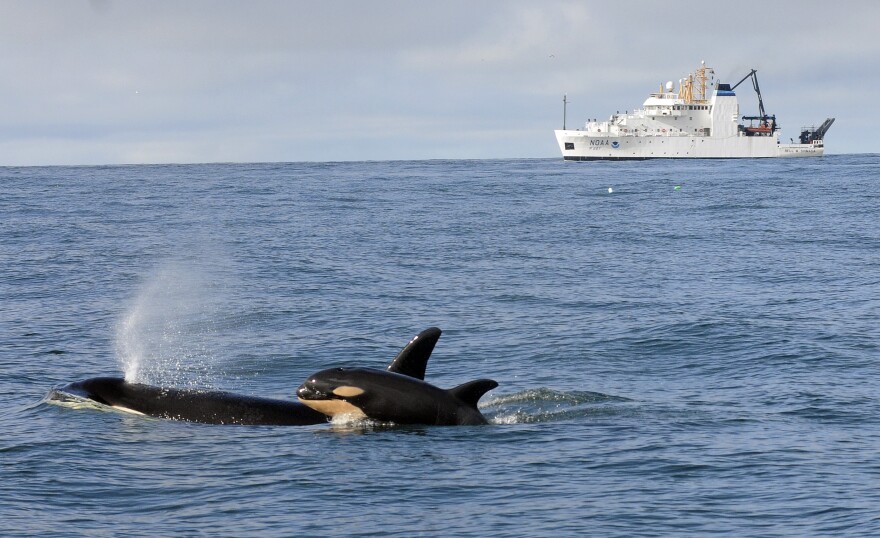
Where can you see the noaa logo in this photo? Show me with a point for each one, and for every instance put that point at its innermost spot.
(615, 144)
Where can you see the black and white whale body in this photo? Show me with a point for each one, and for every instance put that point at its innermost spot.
(390, 397)
(399, 395)
(219, 407)
(206, 406)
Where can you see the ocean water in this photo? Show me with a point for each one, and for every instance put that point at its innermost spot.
(683, 348)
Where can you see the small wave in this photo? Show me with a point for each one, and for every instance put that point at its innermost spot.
(517, 417)
(58, 396)
(824, 414)
(544, 394)
(355, 424)
(548, 405)
(344, 419)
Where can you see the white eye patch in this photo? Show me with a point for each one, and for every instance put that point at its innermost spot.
(347, 391)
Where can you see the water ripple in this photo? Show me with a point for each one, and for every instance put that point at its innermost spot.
(699, 361)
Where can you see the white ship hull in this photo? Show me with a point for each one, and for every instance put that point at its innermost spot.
(587, 147)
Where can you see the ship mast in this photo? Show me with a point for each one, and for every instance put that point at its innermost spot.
(687, 87)
(686, 90)
(702, 77)
(564, 106)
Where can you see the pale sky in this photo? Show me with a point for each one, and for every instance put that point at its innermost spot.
(116, 81)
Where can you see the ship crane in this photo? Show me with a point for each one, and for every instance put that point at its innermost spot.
(810, 135)
(767, 123)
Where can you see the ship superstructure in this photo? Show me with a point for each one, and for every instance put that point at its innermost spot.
(694, 122)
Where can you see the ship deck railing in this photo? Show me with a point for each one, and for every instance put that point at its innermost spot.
(604, 134)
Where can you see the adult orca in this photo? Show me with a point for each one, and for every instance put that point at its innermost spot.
(192, 405)
(220, 407)
(399, 395)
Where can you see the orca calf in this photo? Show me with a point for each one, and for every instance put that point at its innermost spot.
(390, 397)
(399, 395)
(219, 407)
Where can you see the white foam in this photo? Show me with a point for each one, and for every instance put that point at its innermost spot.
(349, 419)
(512, 418)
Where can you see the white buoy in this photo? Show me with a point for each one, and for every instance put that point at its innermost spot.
(610, 190)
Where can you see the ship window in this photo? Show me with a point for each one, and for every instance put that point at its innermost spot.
(569, 145)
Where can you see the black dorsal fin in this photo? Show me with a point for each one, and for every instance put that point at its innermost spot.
(413, 358)
(471, 392)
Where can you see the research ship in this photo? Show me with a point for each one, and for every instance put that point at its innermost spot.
(691, 124)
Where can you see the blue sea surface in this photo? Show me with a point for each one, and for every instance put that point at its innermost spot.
(682, 347)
